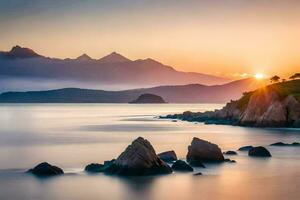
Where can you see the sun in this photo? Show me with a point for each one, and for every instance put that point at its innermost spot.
(259, 76)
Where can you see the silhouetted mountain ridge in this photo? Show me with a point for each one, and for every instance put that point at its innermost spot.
(111, 70)
(193, 93)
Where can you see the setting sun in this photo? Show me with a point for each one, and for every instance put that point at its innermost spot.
(259, 76)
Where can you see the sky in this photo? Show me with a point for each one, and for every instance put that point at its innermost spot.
(229, 38)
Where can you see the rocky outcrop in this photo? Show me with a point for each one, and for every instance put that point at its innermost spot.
(168, 156)
(270, 106)
(149, 98)
(259, 152)
(138, 159)
(203, 151)
(264, 109)
(94, 168)
(45, 169)
(182, 166)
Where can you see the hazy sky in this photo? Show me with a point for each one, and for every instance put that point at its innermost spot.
(221, 37)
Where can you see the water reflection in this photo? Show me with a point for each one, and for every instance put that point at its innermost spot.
(74, 135)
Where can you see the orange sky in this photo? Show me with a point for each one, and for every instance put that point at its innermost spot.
(226, 38)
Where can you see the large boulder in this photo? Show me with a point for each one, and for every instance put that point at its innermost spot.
(138, 159)
(168, 156)
(203, 151)
(259, 152)
(182, 166)
(45, 169)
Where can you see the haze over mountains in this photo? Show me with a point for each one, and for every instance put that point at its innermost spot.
(193, 93)
(23, 69)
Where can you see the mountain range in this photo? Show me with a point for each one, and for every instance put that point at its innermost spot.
(191, 93)
(21, 66)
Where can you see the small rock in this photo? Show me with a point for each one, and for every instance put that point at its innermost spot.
(198, 174)
(201, 150)
(259, 152)
(279, 144)
(45, 169)
(168, 156)
(229, 160)
(295, 144)
(182, 166)
(245, 148)
(94, 168)
(230, 153)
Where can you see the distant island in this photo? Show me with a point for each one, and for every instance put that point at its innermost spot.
(276, 105)
(149, 98)
(192, 93)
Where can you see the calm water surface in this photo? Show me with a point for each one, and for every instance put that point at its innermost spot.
(74, 135)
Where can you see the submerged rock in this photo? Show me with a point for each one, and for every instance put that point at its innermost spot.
(45, 169)
(203, 151)
(285, 144)
(245, 148)
(196, 163)
(259, 152)
(198, 174)
(182, 166)
(138, 159)
(230, 153)
(168, 156)
(94, 168)
(229, 160)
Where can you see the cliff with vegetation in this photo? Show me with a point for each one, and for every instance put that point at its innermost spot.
(276, 105)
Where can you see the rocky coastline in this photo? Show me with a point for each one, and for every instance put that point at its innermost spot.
(265, 107)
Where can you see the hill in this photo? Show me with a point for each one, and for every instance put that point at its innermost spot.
(193, 93)
(112, 71)
(148, 98)
(276, 105)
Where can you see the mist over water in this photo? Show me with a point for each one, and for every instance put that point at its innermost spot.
(74, 135)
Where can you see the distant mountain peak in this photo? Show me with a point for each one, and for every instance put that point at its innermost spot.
(22, 52)
(114, 57)
(19, 52)
(84, 57)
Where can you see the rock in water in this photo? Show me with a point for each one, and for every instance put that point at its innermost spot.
(45, 169)
(245, 148)
(230, 153)
(201, 150)
(94, 168)
(198, 174)
(285, 144)
(182, 166)
(168, 156)
(149, 98)
(259, 152)
(139, 159)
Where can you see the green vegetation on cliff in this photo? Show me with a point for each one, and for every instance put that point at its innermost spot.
(283, 89)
